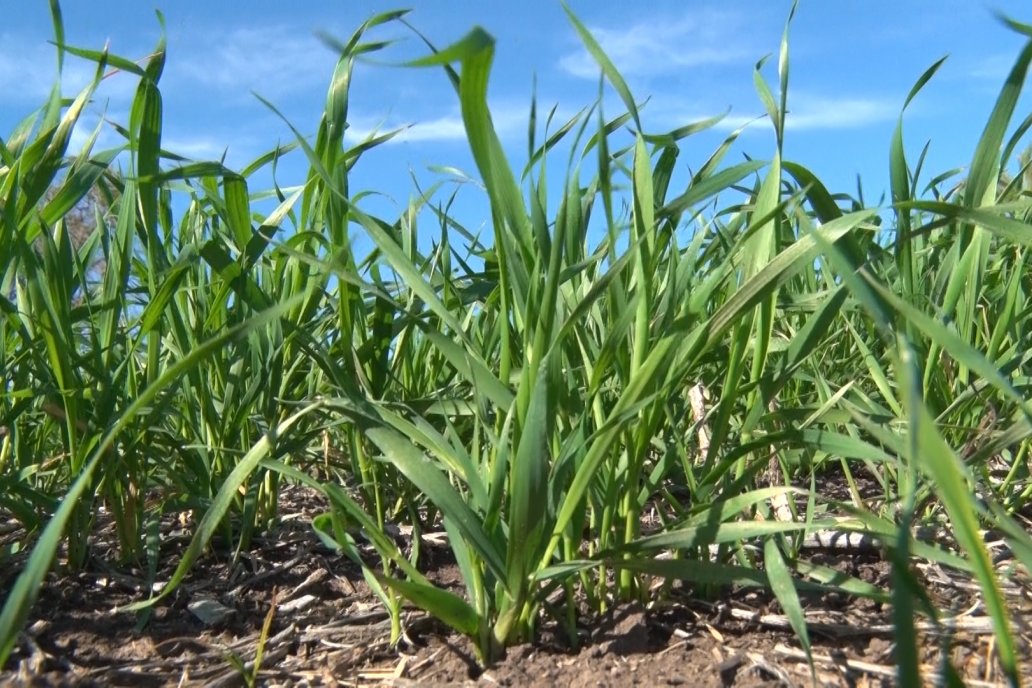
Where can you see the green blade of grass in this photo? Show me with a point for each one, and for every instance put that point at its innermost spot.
(434, 484)
(985, 164)
(608, 68)
(25, 590)
(443, 605)
(784, 589)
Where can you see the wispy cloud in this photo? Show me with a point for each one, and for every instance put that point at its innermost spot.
(28, 71)
(446, 128)
(992, 68)
(508, 120)
(807, 112)
(274, 61)
(660, 45)
(198, 147)
(239, 145)
(816, 112)
(84, 129)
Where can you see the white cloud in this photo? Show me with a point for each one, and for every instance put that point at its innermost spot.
(809, 112)
(197, 147)
(84, 128)
(273, 61)
(658, 46)
(447, 128)
(992, 68)
(28, 71)
(508, 120)
(239, 146)
(838, 112)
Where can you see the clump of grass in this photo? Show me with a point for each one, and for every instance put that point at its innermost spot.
(529, 392)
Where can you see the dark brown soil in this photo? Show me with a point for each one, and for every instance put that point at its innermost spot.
(327, 628)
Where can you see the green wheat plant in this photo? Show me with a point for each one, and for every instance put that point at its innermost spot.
(598, 341)
(629, 376)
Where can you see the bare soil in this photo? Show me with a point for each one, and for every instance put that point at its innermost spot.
(326, 628)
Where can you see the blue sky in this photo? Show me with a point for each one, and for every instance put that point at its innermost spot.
(852, 64)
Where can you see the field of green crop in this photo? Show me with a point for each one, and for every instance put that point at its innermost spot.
(709, 359)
